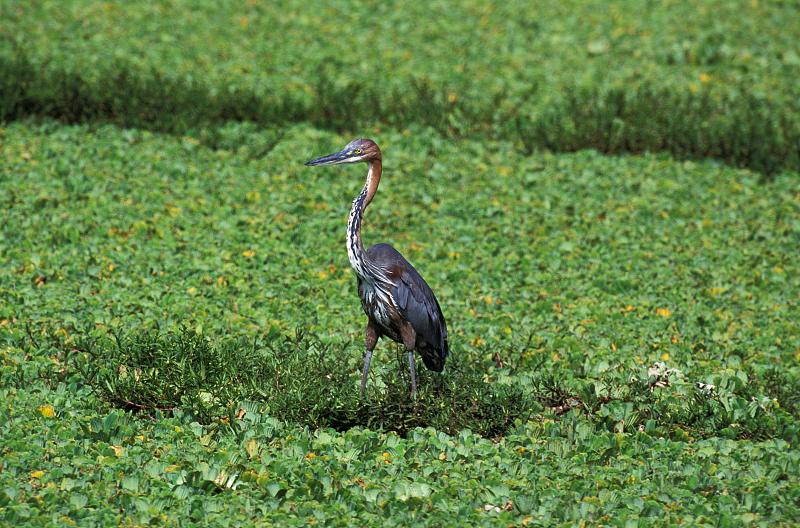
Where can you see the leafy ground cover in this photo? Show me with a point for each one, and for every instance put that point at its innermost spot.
(568, 276)
(180, 338)
(697, 79)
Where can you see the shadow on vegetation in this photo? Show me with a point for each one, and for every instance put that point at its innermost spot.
(301, 380)
(738, 127)
(298, 379)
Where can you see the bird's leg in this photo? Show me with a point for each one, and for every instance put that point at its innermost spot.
(371, 341)
(367, 359)
(409, 337)
(412, 371)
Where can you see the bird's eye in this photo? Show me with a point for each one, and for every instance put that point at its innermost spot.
(357, 151)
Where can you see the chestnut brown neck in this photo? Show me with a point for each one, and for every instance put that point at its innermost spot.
(373, 180)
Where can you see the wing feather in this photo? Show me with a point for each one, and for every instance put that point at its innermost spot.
(417, 304)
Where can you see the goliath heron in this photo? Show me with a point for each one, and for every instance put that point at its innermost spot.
(399, 304)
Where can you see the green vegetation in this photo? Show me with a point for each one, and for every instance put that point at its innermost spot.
(578, 272)
(299, 380)
(697, 79)
(180, 336)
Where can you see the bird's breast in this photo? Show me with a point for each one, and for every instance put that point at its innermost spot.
(379, 306)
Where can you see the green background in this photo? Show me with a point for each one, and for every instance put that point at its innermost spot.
(588, 188)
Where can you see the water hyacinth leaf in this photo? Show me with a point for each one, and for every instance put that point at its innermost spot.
(174, 288)
(78, 500)
(273, 488)
(130, 483)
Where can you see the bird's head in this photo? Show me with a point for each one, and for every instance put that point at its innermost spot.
(355, 151)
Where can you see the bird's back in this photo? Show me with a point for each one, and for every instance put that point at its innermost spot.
(416, 304)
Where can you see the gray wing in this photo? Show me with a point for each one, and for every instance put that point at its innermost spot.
(418, 305)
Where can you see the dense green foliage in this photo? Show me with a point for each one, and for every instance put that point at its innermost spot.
(698, 79)
(180, 337)
(299, 380)
(577, 272)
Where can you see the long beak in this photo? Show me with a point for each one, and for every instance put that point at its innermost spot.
(330, 159)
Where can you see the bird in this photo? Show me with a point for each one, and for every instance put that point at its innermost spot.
(398, 302)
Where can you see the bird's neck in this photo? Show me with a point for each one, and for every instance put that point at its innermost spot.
(355, 248)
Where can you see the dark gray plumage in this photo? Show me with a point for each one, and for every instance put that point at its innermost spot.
(398, 302)
(416, 304)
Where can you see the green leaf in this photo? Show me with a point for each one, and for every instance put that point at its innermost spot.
(130, 483)
(273, 488)
(78, 500)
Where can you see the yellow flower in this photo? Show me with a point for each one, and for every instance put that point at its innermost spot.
(311, 456)
(663, 312)
(249, 253)
(37, 474)
(47, 411)
(191, 290)
(665, 356)
(704, 78)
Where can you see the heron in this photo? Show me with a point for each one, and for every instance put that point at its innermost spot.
(398, 302)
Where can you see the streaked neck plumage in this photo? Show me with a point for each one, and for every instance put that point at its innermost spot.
(355, 249)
